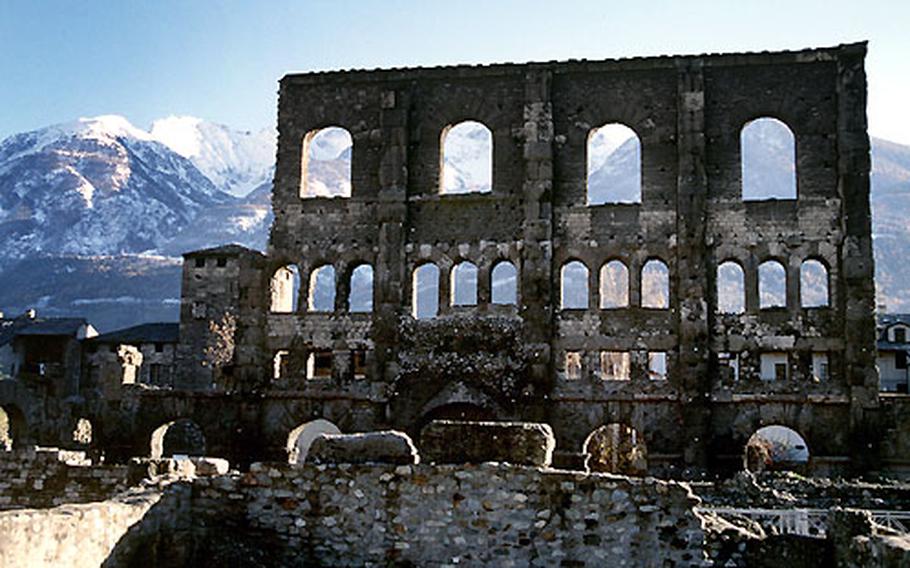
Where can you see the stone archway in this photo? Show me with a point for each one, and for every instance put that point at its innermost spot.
(776, 448)
(616, 448)
(301, 438)
(178, 437)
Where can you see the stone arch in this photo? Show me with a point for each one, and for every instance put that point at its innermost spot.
(731, 288)
(772, 285)
(504, 283)
(178, 437)
(463, 284)
(13, 429)
(466, 161)
(613, 165)
(285, 289)
(573, 286)
(360, 291)
(326, 163)
(301, 438)
(655, 284)
(813, 284)
(614, 285)
(776, 447)
(768, 160)
(322, 289)
(616, 448)
(425, 291)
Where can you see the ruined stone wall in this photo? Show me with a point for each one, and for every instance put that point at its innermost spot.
(43, 478)
(350, 515)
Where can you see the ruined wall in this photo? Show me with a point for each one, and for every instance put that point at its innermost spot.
(48, 477)
(350, 515)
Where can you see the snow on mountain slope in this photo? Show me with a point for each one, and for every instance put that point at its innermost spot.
(95, 186)
(236, 162)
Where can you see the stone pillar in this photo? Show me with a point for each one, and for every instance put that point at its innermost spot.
(857, 274)
(536, 271)
(692, 262)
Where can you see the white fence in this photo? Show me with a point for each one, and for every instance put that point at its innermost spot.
(808, 522)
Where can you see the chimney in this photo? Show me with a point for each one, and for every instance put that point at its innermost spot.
(31, 313)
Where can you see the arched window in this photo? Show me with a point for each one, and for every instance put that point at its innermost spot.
(731, 288)
(614, 165)
(504, 283)
(301, 438)
(776, 448)
(464, 284)
(322, 289)
(655, 285)
(768, 158)
(360, 297)
(285, 288)
(772, 285)
(574, 286)
(180, 437)
(616, 448)
(614, 285)
(327, 163)
(813, 284)
(425, 291)
(467, 158)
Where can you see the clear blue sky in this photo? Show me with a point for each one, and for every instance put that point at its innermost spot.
(221, 61)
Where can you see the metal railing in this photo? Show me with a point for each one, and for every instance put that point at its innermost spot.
(808, 522)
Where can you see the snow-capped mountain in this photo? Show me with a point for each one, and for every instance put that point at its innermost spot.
(95, 186)
(237, 162)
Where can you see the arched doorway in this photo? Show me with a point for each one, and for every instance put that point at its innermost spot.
(301, 438)
(616, 448)
(776, 448)
(12, 427)
(179, 437)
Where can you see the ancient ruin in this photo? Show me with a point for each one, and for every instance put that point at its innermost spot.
(680, 327)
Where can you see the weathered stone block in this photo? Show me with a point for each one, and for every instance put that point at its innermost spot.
(387, 446)
(456, 441)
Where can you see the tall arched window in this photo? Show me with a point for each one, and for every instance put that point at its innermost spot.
(772, 285)
(614, 165)
(464, 284)
(467, 158)
(614, 285)
(360, 297)
(655, 285)
(574, 286)
(768, 158)
(813, 284)
(285, 289)
(731, 288)
(504, 283)
(326, 163)
(322, 289)
(425, 291)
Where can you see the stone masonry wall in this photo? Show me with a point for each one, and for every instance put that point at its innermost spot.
(355, 515)
(31, 478)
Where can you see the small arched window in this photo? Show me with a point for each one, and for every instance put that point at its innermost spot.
(655, 285)
(360, 297)
(504, 283)
(467, 158)
(614, 165)
(285, 289)
(425, 291)
(772, 285)
(768, 159)
(614, 285)
(813, 284)
(326, 163)
(731, 288)
(574, 286)
(464, 284)
(322, 289)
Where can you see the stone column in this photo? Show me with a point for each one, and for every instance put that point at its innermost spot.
(692, 265)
